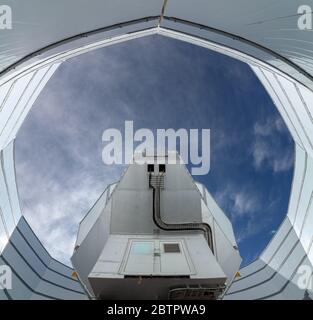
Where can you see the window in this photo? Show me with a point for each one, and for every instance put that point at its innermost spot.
(142, 248)
(161, 167)
(150, 167)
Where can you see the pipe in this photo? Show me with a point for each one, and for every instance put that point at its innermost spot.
(176, 226)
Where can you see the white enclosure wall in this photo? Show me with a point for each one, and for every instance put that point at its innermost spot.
(262, 33)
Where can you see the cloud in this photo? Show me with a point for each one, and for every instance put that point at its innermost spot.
(245, 209)
(269, 146)
(54, 218)
(244, 203)
(55, 210)
(60, 173)
(269, 126)
(238, 201)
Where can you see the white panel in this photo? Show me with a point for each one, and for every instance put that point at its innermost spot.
(206, 214)
(132, 217)
(140, 259)
(277, 240)
(297, 182)
(4, 91)
(253, 20)
(200, 188)
(180, 206)
(297, 104)
(34, 242)
(13, 99)
(20, 267)
(33, 80)
(111, 257)
(286, 106)
(202, 257)
(37, 24)
(251, 268)
(257, 291)
(174, 263)
(310, 253)
(284, 251)
(221, 218)
(3, 234)
(91, 217)
(227, 256)
(307, 96)
(260, 276)
(307, 234)
(40, 81)
(111, 188)
(9, 169)
(292, 263)
(5, 205)
(305, 196)
(57, 292)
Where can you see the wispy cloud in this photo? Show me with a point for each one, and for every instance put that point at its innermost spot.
(54, 207)
(60, 173)
(244, 207)
(238, 200)
(268, 150)
(56, 215)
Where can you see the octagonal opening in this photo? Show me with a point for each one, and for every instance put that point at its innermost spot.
(157, 83)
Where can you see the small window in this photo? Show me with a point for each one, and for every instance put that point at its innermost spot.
(142, 248)
(150, 167)
(171, 248)
(161, 167)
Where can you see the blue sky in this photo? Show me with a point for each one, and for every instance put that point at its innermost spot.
(157, 83)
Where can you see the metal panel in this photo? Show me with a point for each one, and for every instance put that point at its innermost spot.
(37, 24)
(32, 275)
(278, 239)
(10, 179)
(255, 279)
(250, 269)
(305, 198)
(255, 23)
(277, 96)
(300, 168)
(174, 262)
(221, 218)
(140, 258)
(4, 91)
(89, 220)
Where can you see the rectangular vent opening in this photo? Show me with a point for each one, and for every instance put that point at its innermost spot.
(171, 247)
(162, 168)
(150, 168)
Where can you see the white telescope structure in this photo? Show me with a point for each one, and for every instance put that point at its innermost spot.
(156, 234)
(273, 37)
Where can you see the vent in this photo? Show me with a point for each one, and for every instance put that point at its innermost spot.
(162, 168)
(150, 168)
(171, 248)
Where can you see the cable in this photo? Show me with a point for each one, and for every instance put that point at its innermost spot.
(176, 226)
